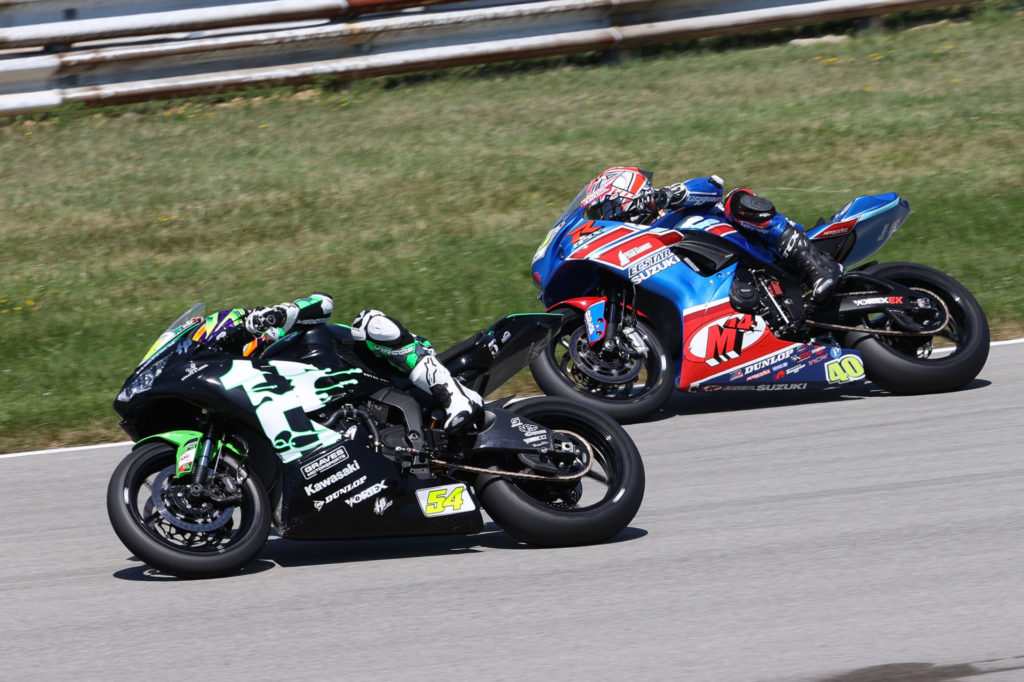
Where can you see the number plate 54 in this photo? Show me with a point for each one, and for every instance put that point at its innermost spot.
(445, 500)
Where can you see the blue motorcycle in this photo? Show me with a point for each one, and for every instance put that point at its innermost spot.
(688, 302)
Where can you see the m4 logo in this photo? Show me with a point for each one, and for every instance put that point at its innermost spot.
(725, 341)
(445, 500)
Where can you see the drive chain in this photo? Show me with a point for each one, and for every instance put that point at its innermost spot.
(884, 332)
(519, 474)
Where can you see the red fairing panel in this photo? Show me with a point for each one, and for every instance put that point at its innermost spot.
(718, 340)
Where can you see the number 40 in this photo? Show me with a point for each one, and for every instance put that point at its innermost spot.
(847, 368)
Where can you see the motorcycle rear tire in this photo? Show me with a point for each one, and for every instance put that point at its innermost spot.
(895, 369)
(531, 520)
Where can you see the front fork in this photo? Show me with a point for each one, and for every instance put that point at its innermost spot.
(201, 471)
(620, 332)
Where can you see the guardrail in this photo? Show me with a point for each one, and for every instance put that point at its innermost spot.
(186, 51)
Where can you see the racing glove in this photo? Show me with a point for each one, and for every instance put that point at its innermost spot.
(273, 322)
(673, 196)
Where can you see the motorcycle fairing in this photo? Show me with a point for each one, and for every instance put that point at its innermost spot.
(186, 444)
(282, 392)
(726, 350)
(594, 319)
(491, 357)
(872, 220)
(678, 260)
(273, 396)
(348, 491)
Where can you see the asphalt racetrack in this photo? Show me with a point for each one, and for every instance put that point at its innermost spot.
(847, 539)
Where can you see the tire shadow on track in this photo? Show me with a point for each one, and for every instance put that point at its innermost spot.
(924, 672)
(708, 403)
(283, 553)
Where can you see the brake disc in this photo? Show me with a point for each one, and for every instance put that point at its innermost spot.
(185, 515)
(605, 366)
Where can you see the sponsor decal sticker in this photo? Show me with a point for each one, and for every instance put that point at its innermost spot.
(324, 463)
(725, 338)
(814, 361)
(846, 369)
(766, 362)
(192, 370)
(878, 300)
(708, 388)
(626, 256)
(187, 457)
(781, 387)
(319, 504)
(445, 500)
(652, 265)
(364, 495)
(381, 505)
(526, 427)
(337, 476)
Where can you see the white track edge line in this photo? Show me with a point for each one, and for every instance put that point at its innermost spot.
(128, 442)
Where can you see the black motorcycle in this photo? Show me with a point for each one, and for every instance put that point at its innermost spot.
(318, 439)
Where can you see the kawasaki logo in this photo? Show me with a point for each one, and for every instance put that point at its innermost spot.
(332, 479)
(366, 494)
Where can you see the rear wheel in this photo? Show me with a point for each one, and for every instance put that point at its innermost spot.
(626, 387)
(583, 511)
(944, 361)
(154, 516)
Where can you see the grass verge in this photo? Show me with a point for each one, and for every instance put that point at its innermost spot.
(428, 199)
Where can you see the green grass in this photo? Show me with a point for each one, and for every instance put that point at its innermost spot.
(427, 199)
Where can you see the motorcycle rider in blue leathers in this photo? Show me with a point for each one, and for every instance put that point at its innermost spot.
(249, 331)
(626, 194)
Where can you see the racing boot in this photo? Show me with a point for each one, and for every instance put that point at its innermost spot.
(817, 269)
(462, 405)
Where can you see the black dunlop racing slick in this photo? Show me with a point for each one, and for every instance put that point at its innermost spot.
(539, 514)
(893, 363)
(158, 536)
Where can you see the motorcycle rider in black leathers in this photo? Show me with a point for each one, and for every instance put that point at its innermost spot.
(625, 193)
(249, 331)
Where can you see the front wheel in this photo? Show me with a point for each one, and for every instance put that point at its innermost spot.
(624, 387)
(584, 511)
(944, 361)
(156, 518)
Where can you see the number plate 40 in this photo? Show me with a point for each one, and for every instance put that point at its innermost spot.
(845, 369)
